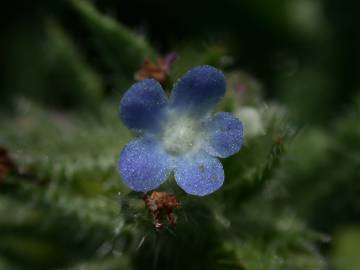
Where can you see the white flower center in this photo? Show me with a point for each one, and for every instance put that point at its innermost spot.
(180, 135)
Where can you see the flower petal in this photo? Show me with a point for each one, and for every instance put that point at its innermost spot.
(200, 175)
(199, 90)
(143, 164)
(225, 135)
(142, 104)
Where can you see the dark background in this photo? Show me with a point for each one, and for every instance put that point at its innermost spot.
(297, 49)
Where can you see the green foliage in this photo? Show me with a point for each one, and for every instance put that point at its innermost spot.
(346, 250)
(67, 73)
(69, 200)
(121, 49)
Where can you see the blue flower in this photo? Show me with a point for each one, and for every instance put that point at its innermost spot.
(178, 134)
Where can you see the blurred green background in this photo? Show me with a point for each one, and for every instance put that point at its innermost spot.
(291, 199)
